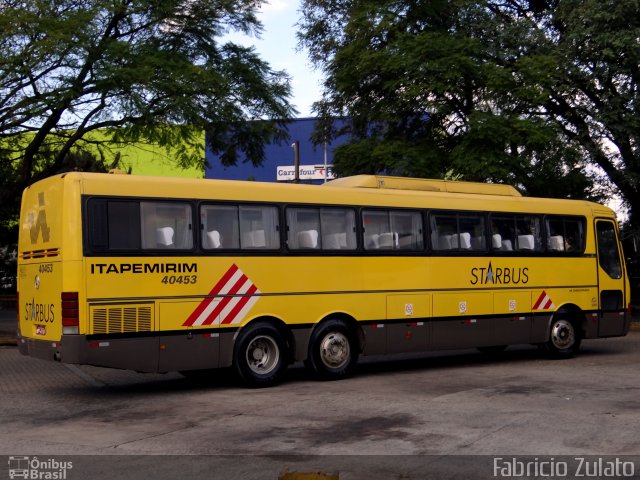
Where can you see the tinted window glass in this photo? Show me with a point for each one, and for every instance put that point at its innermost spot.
(565, 234)
(392, 230)
(220, 226)
(458, 232)
(259, 228)
(113, 224)
(166, 225)
(338, 227)
(321, 228)
(124, 225)
(521, 233)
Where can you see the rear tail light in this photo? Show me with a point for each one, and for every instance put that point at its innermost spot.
(70, 313)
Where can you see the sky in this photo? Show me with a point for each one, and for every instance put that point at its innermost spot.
(278, 46)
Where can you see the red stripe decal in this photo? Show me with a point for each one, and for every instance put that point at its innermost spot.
(548, 304)
(205, 303)
(225, 300)
(240, 305)
(539, 301)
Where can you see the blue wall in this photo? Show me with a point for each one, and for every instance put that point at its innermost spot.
(277, 155)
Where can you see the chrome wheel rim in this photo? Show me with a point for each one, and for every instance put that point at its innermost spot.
(563, 335)
(262, 355)
(335, 350)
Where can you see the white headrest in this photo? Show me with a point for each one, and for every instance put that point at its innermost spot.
(388, 240)
(308, 239)
(461, 241)
(556, 242)
(214, 239)
(164, 236)
(525, 242)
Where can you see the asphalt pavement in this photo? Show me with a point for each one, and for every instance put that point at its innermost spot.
(7, 327)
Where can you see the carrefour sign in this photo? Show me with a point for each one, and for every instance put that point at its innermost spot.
(307, 172)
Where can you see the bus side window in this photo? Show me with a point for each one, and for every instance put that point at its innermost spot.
(408, 228)
(472, 232)
(220, 226)
(460, 232)
(565, 234)
(555, 234)
(321, 228)
(529, 233)
(444, 229)
(166, 225)
(574, 235)
(503, 233)
(114, 225)
(375, 223)
(259, 227)
(338, 227)
(303, 228)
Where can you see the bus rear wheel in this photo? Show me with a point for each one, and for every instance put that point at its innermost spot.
(564, 340)
(260, 355)
(333, 350)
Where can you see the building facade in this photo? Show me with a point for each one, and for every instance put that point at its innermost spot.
(315, 160)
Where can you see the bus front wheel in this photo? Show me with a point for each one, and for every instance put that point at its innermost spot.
(260, 356)
(333, 350)
(564, 339)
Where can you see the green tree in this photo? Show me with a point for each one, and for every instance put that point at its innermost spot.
(530, 92)
(140, 70)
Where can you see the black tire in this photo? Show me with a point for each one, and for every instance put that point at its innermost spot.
(260, 356)
(564, 338)
(333, 350)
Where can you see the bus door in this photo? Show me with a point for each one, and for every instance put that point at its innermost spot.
(611, 282)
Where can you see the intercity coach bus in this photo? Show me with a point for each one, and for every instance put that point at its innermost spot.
(168, 274)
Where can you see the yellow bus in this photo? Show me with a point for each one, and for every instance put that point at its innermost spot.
(157, 275)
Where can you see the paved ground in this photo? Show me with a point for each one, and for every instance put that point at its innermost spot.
(430, 416)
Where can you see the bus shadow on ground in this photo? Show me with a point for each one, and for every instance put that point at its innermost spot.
(430, 362)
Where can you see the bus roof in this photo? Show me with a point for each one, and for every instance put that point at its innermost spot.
(424, 184)
(358, 190)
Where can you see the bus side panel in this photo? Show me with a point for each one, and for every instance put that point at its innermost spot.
(512, 322)
(462, 320)
(140, 354)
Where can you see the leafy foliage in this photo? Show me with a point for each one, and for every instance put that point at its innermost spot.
(542, 94)
(155, 69)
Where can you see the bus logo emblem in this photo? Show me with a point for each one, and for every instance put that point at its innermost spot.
(40, 223)
(544, 302)
(228, 302)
